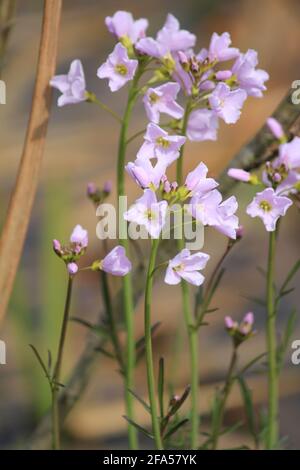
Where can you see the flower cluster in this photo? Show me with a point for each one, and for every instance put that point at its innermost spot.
(240, 331)
(115, 262)
(280, 178)
(216, 80)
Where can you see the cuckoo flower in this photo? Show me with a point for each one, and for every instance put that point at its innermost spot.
(219, 49)
(162, 100)
(202, 125)
(210, 210)
(248, 77)
(197, 182)
(169, 39)
(186, 266)
(123, 26)
(116, 262)
(240, 331)
(145, 174)
(72, 85)
(79, 237)
(227, 104)
(118, 68)
(268, 206)
(159, 144)
(148, 212)
(289, 154)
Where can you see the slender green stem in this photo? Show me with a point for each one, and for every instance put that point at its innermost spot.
(273, 396)
(57, 371)
(111, 320)
(148, 347)
(193, 354)
(127, 280)
(225, 393)
(91, 98)
(188, 317)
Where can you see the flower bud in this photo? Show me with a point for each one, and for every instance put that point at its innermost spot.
(72, 268)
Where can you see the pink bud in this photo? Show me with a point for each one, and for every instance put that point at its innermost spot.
(223, 74)
(167, 186)
(229, 323)
(91, 189)
(276, 178)
(182, 57)
(57, 246)
(239, 174)
(72, 268)
(249, 318)
(240, 231)
(107, 186)
(275, 127)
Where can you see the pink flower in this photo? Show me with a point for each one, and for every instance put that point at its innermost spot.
(118, 68)
(116, 262)
(145, 174)
(169, 39)
(268, 206)
(219, 49)
(186, 266)
(159, 144)
(227, 104)
(238, 331)
(162, 100)
(275, 127)
(79, 237)
(148, 212)
(239, 174)
(72, 86)
(197, 182)
(249, 78)
(289, 154)
(202, 125)
(122, 25)
(210, 210)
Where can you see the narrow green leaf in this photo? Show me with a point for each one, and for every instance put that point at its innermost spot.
(256, 300)
(40, 361)
(175, 428)
(138, 427)
(99, 329)
(249, 408)
(105, 352)
(290, 275)
(140, 400)
(161, 384)
(251, 363)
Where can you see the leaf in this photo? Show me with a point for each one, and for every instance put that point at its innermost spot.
(41, 362)
(249, 408)
(251, 363)
(138, 427)
(256, 300)
(105, 352)
(140, 400)
(140, 344)
(49, 361)
(161, 382)
(290, 275)
(175, 428)
(281, 350)
(216, 283)
(211, 310)
(99, 329)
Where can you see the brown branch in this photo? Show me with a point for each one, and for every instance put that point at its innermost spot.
(20, 206)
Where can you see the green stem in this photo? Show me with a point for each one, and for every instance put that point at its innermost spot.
(127, 280)
(148, 346)
(57, 371)
(193, 354)
(273, 403)
(188, 317)
(225, 393)
(111, 320)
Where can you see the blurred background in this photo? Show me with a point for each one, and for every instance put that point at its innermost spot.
(81, 147)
